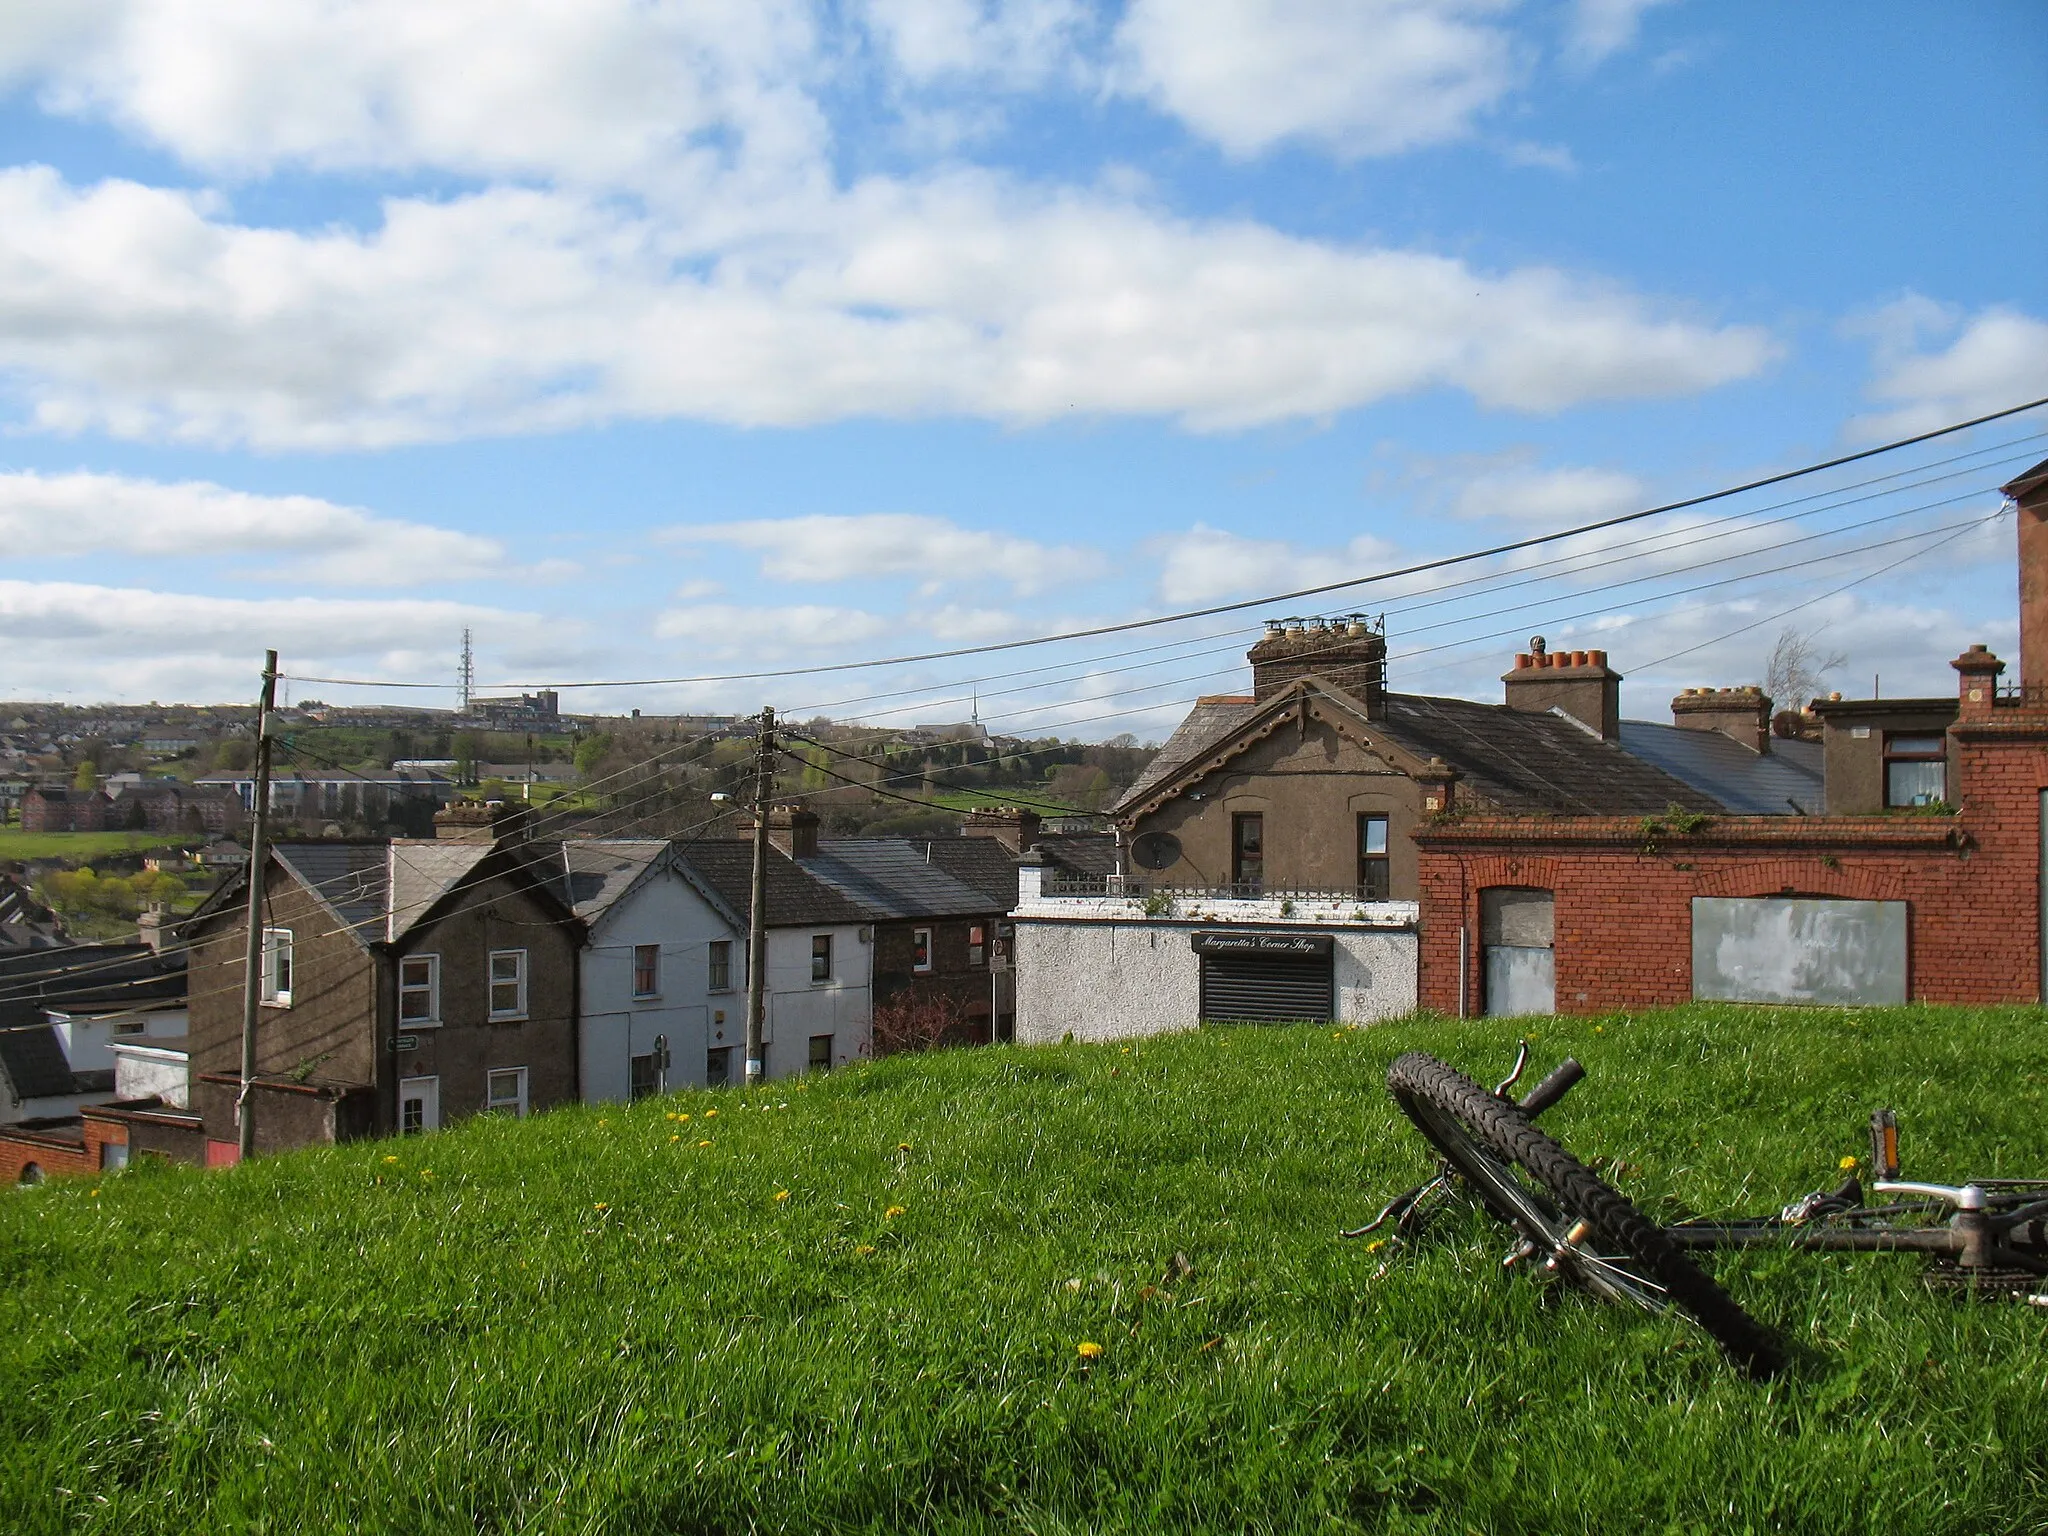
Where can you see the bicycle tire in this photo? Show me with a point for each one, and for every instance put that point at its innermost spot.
(1420, 1083)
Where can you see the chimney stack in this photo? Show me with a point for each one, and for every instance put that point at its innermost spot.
(474, 821)
(791, 828)
(1350, 652)
(1741, 714)
(1977, 683)
(1014, 828)
(1580, 683)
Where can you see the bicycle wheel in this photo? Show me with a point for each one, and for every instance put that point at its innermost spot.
(1527, 1180)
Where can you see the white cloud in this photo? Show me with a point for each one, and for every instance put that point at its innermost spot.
(1599, 29)
(591, 90)
(71, 515)
(1548, 497)
(1542, 157)
(98, 642)
(933, 549)
(1998, 357)
(1018, 43)
(729, 629)
(1207, 563)
(1359, 77)
(142, 313)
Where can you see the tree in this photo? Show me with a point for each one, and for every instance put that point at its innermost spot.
(87, 776)
(1793, 676)
(590, 751)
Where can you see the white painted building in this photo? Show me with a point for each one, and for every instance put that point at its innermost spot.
(1114, 967)
(663, 985)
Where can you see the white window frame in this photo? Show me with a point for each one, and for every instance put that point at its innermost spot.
(432, 988)
(492, 981)
(921, 939)
(655, 990)
(277, 944)
(494, 1104)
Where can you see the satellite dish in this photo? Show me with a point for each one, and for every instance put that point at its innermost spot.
(1156, 850)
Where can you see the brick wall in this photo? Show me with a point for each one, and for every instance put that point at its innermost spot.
(1624, 893)
(70, 1148)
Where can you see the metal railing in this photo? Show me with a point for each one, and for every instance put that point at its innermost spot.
(1136, 886)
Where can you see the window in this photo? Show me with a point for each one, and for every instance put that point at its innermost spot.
(821, 1053)
(131, 1026)
(505, 1092)
(419, 989)
(920, 949)
(113, 1155)
(718, 1066)
(508, 983)
(1375, 869)
(277, 967)
(645, 1075)
(821, 957)
(977, 947)
(1915, 772)
(647, 970)
(721, 965)
(1248, 853)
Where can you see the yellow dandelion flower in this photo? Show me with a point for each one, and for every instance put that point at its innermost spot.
(1599, 1029)
(681, 1118)
(675, 1138)
(703, 1143)
(782, 1194)
(392, 1159)
(710, 1114)
(601, 1207)
(1125, 1051)
(94, 1194)
(1376, 1245)
(902, 1146)
(893, 1212)
(1088, 1349)
(1848, 1162)
(863, 1250)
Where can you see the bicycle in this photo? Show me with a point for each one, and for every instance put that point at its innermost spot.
(1993, 1242)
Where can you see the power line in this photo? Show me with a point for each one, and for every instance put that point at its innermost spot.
(1125, 627)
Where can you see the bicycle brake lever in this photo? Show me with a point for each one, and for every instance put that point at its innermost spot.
(1521, 1061)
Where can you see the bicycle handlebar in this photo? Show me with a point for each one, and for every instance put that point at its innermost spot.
(1560, 1082)
(1967, 1197)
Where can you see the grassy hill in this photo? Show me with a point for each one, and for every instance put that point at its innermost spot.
(857, 1303)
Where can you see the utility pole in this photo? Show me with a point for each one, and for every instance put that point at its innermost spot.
(252, 970)
(757, 909)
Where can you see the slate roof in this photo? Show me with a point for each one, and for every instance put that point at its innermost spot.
(981, 862)
(35, 1064)
(1518, 761)
(349, 879)
(796, 898)
(1083, 853)
(1528, 762)
(421, 874)
(1788, 779)
(894, 877)
(601, 870)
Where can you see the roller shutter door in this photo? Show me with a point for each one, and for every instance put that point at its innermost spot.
(1276, 987)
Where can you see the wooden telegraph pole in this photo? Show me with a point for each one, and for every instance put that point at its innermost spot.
(757, 913)
(252, 970)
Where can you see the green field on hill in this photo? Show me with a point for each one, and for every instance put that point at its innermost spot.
(857, 1302)
(83, 847)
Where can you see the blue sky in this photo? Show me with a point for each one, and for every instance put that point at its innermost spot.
(677, 339)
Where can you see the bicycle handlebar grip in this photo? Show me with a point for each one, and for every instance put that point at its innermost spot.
(1560, 1082)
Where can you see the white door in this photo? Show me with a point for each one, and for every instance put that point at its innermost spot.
(419, 1105)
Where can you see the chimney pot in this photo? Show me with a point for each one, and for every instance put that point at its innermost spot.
(1591, 696)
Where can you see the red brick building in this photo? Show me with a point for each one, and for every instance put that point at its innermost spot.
(1627, 906)
(46, 809)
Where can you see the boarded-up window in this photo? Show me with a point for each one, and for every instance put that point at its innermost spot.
(1517, 925)
(1781, 949)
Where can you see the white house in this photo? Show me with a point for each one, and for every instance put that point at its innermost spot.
(663, 986)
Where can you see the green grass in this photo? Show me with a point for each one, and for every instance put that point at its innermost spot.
(592, 1323)
(83, 847)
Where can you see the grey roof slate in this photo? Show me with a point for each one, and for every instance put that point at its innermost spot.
(981, 862)
(600, 871)
(1210, 720)
(796, 898)
(1787, 780)
(1083, 853)
(349, 879)
(421, 874)
(893, 877)
(35, 1064)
